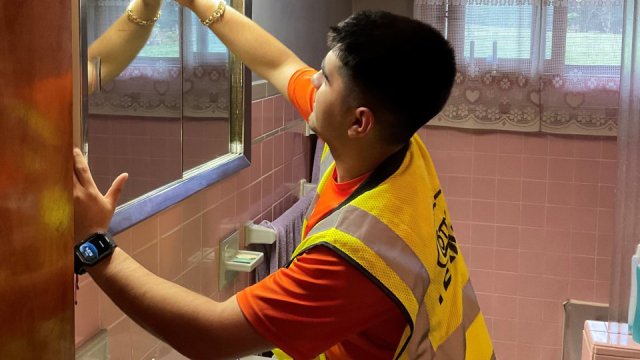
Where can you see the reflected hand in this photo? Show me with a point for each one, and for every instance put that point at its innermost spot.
(92, 210)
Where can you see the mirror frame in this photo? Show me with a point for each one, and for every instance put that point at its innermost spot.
(203, 176)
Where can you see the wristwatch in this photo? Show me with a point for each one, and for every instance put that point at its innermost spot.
(91, 251)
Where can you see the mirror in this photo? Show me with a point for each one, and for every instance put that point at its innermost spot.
(176, 118)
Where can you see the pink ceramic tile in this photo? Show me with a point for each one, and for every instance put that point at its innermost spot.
(288, 112)
(588, 147)
(171, 219)
(461, 140)
(170, 258)
(507, 237)
(509, 166)
(583, 267)
(534, 191)
(553, 312)
(604, 245)
(509, 190)
(607, 196)
(481, 258)
(504, 330)
(508, 213)
(505, 283)
(268, 121)
(506, 260)
(583, 243)
(559, 217)
(278, 111)
(458, 163)
(534, 167)
(483, 280)
(482, 235)
(605, 221)
(531, 309)
(458, 187)
(485, 164)
(530, 262)
(609, 149)
(256, 162)
(585, 219)
(506, 350)
(144, 233)
(485, 142)
(561, 169)
(586, 171)
(256, 119)
(267, 191)
(533, 215)
(560, 193)
(483, 188)
(526, 351)
(483, 211)
(562, 146)
(558, 241)
(585, 195)
(486, 303)
(460, 209)
(552, 353)
(124, 240)
(602, 292)
(551, 335)
(462, 230)
(255, 196)
(278, 150)
(87, 321)
(505, 307)
(510, 143)
(191, 242)
(109, 313)
(267, 156)
(557, 265)
(190, 279)
(583, 290)
(603, 269)
(536, 144)
(435, 139)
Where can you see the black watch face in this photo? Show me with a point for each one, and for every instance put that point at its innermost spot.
(94, 248)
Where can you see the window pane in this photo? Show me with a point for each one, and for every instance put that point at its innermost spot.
(165, 37)
(502, 31)
(594, 34)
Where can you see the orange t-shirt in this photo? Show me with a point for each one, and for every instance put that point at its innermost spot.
(322, 303)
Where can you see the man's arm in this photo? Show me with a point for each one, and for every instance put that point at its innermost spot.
(122, 41)
(195, 325)
(259, 50)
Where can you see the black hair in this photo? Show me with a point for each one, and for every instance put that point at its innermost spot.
(400, 68)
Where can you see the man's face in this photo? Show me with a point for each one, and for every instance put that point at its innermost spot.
(331, 115)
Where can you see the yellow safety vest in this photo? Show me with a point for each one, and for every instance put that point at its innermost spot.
(395, 229)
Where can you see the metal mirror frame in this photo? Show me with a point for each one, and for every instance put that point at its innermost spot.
(201, 177)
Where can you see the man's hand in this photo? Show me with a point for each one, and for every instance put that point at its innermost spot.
(92, 210)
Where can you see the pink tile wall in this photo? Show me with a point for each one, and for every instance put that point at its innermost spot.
(534, 216)
(181, 243)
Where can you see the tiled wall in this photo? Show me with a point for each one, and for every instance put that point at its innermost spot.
(181, 243)
(534, 216)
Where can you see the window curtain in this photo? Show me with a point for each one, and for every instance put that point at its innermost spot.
(531, 65)
(627, 224)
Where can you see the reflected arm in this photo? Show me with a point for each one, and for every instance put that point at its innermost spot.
(259, 50)
(122, 41)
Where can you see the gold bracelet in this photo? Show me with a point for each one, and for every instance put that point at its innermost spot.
(136, 20)
(217, 14)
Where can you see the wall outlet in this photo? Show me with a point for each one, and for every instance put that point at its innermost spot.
(228, 248)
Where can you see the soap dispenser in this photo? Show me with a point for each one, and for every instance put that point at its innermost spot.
(633, 291)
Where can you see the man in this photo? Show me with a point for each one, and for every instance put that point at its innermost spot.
(378, 274)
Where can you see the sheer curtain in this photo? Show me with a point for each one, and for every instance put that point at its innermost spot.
(531, 65)
(628, 194)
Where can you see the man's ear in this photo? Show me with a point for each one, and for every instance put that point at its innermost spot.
(363, 122)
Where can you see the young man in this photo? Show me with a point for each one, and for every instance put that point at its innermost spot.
(378, 274)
